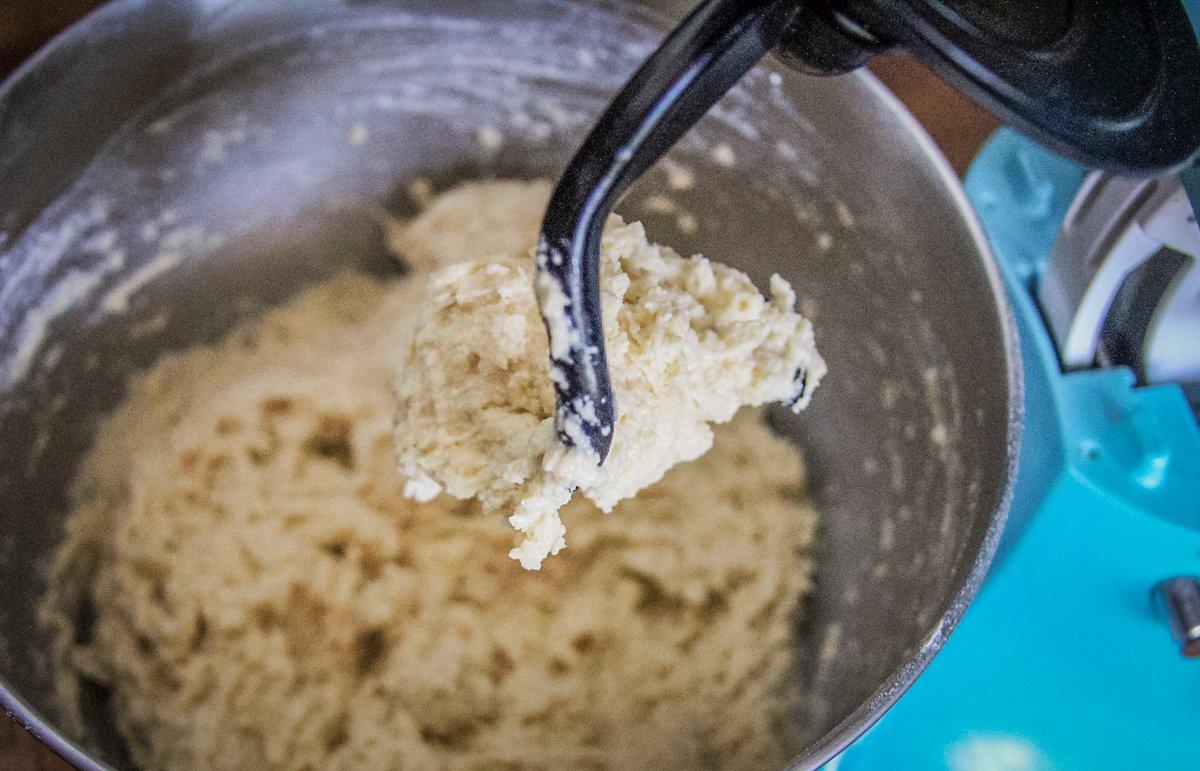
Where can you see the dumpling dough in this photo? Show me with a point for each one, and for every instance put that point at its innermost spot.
(689, 342)
(243, 575)
(472, 220)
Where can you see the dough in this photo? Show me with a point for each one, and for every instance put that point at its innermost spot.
(475, 219)
(263, 595)
(689, 341)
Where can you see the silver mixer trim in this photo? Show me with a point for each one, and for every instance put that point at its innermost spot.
(1114, 229)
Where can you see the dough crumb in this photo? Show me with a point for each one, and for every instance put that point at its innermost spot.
(679, 177)
(724, 156)
(689, 342)
(489, 138)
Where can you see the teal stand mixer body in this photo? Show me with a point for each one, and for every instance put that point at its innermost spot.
(1063, 660)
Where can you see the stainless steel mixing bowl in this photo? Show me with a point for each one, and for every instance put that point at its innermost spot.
(168, 166)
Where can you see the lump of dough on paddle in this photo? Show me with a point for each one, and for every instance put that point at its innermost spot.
(689, 341)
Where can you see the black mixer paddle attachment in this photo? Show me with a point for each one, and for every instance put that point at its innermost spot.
(1110, 85)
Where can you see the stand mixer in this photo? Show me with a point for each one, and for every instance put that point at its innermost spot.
(1065, 659)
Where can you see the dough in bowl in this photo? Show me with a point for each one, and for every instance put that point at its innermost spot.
(245, 578)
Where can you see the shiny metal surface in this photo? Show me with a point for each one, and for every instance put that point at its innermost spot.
(1179, 600)
(225, 135)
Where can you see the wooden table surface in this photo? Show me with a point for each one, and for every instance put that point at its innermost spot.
(958, 126)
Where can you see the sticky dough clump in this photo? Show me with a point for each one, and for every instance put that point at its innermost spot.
(689, 342)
